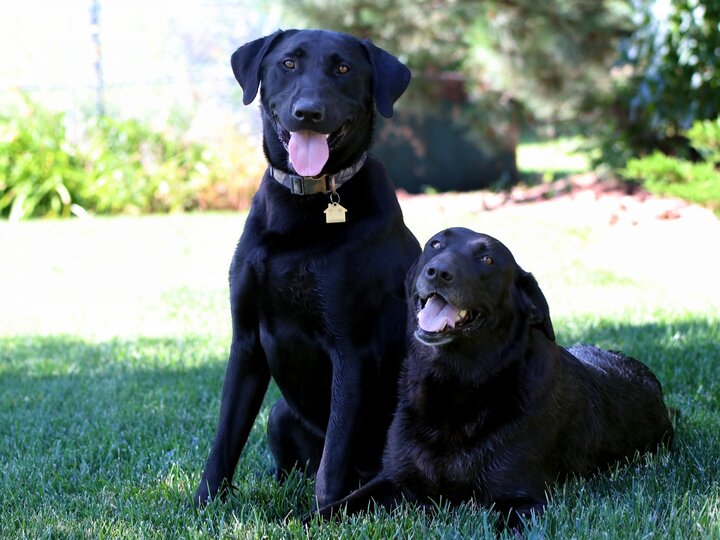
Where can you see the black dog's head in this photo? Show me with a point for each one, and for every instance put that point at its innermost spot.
(317, 91)
(467, 286)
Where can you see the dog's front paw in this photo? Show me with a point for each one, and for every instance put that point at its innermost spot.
(323, 513)
(207, 492)
(316, 505)
(307, 519)
(322, 497)
(202, 496)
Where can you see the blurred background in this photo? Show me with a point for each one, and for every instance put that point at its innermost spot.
(130, 107)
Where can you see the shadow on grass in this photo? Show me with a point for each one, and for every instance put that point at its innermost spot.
(123, 418)
(129, 422)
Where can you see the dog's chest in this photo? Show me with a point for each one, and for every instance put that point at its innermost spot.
(292, 292)
(452, 470)
(455, 438)
(451, 412)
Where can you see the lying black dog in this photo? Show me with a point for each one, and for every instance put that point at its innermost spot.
(490, 407)
(317, 288)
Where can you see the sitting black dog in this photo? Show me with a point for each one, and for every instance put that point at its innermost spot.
(316, 295)
(490, 407)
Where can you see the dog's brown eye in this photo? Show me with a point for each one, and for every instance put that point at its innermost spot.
(289, 64)
(487, 259)
(343, 69)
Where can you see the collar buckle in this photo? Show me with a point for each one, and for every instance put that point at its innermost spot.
(308, 185)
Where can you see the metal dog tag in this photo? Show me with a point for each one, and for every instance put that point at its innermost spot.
(335, 213)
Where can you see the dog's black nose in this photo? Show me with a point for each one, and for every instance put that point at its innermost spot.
(306, 110)
(440, 272)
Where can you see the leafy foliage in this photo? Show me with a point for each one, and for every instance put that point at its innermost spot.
(697, 181)
(117, 165)
(112, 166)
(671, 78)
(38, 166)
(675, 62)
(553, 57)
(705, 138)
(130, 167)
(429, 36)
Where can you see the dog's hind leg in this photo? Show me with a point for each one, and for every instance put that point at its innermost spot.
(292, 444)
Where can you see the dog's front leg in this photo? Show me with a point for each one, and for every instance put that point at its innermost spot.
(246, 381)
(381, 489)
(515, 514)
(345, 403)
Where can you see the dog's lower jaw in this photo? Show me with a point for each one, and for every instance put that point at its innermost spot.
(432, 339)
(468, 324)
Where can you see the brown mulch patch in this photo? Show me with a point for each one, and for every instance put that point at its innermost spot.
(584, 198)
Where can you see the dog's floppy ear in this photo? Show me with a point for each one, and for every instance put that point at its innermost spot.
(390, 78)
(535, 300)
(246, 63)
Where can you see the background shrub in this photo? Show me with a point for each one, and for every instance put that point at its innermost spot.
(668, 78)
(39, 168)
(697, 181)
(132, 168)
(116, 166)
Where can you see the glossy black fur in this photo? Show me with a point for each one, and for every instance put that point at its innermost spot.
(498, 412)
(318, 307)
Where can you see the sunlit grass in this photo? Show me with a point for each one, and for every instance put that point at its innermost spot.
(564, 155)
(113, 341)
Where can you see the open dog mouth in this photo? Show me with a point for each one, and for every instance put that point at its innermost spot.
(438, 320)
(309, 150)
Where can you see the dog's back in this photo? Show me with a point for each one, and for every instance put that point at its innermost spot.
(624, 404)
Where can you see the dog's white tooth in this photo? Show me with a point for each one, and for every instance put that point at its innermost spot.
(326, 136)
(461, 314)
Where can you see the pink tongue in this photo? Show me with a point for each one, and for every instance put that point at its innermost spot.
(437, 314)
(308, 152)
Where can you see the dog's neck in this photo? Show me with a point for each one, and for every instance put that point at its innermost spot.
(311, 185)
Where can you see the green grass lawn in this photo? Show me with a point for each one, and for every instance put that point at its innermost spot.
(113, 342)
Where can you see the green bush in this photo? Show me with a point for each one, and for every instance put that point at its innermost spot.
(705, 138)
(675, 63)
(695, 181)
(113, 166)
(38, 166)
(131, 168)
(667, 77)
